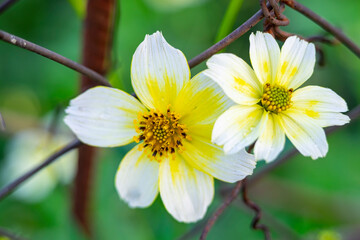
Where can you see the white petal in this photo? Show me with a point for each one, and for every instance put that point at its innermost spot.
(200, 103)
(297, 61)
(271, 141)
(158, 72)
(264, 55)
(104, 117)
(321, 104)
(304, 133)
(208, 157)
(137, 178)
(238, 127)
(185, 191)
(235, 77)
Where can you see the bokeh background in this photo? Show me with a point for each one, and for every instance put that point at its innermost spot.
(302, 199)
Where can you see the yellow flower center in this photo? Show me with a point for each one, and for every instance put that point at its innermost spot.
(161, 133)
(276, 98)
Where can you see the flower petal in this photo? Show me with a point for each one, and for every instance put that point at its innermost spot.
(321, 104)
(158, 72)
(185, 191)
(304, 133)
(271, 140)
(297, 61)
(200, 103)
(264, 55)
(211, 159)
(103, 117)
(238, 127)
(137, 178)
(235, 77)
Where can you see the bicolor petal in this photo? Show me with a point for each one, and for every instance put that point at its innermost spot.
(185, 191)
(206, 156)
(104, 117)
(238, 127)
(158, 72)
(308, 137)
(297, 61)
(235, 77)
(321, 104)
(200, 103)
(271, 140)
(264, 55)
(137, 178)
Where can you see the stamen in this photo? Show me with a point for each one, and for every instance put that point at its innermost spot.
(162, 133)
(276, 98)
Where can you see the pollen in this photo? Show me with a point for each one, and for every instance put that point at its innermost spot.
(276, 98)
(161, 133)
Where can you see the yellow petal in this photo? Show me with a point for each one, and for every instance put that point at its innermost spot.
(158, 72)
(200, 103)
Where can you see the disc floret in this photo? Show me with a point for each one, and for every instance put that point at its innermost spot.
(162, 133)
(276, 98)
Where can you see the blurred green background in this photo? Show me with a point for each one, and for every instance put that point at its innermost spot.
(302, 199)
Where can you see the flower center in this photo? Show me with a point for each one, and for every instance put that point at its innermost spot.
(276, 98)
(162, 133)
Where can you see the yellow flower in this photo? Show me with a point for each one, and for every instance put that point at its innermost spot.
(172, 125)
(29, 148)
(269, 104)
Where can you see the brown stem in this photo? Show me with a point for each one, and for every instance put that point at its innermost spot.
(6, 4)
(17, 41)
(241, 30)
(96, 53)
(233, 195)
(324, 24)
(255, 222)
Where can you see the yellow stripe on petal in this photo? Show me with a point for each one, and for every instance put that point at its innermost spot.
(158, 72)
(185, 191)
(200, 103)
(297, 61)
(235, 77)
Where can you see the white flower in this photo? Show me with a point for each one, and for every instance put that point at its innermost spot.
(27, 150)
(269, 106)
(173, 127)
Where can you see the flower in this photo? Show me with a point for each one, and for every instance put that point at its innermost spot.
(29, 148)
(269, 105)
(172, 127)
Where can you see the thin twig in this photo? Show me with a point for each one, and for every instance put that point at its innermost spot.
(13, 185)
(241, 30)
(233, 195)
(324, 24)
(17, 41)
(255, 222)
(6, 4)
(8, 235)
